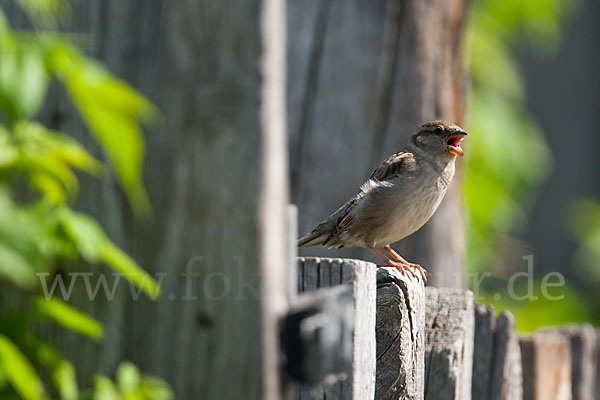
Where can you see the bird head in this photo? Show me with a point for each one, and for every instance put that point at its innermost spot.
(439, 137)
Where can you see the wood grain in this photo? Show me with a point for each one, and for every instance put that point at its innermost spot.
(315, 273)
(546, 366)
(497, 367)
(216, 177)
(584, 362)
(449, 332)
(400, 338)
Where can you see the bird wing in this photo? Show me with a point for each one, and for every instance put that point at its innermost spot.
(392, 166)
(326, 232)
(344, 218)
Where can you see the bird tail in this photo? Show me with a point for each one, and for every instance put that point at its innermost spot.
(313, 238)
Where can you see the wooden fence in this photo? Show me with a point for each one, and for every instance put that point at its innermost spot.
(361, 77)
(416, 342)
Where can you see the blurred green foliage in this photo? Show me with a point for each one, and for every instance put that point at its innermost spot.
(508, 157)
(38, 185)
(129, 385)
(584, 224)
(552, 306)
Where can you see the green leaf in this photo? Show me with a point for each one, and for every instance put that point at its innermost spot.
(112, 111)
(48, 186)
(94, 245)
(23, 77)
(64, 378)
(16, 268)
(47, 157)
(35, 138)
(25, 247)
(68, 316)
(122, 263)
(18, 371)
(105, 389)
(61, 371)
(9, 154)
(85, 232)
(128, 377)
(52, 166)
(155, 389)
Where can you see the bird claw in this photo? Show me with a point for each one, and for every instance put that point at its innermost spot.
(403, 268)
(421, 270)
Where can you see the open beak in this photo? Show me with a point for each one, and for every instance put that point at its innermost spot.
(454, 142)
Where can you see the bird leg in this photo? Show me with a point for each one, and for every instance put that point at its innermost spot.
(395, 255)
(389, 263)
(401, 260)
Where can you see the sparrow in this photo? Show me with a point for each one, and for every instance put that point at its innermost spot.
(399, 197)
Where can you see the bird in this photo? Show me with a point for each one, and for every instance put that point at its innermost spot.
(397, 199)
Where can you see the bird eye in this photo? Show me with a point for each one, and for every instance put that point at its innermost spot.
(438, 131)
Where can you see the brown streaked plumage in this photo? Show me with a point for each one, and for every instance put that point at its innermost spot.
(398, 198)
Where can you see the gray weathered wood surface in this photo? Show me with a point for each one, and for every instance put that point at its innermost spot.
(315, 273)
(362, 76)
(215, 174)
(400, 338)
(584, 363)
(546, 366)
(497, 370)
(449, 332)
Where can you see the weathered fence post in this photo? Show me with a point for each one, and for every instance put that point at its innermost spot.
(583, 360)
(216, 175)
(497, 371)
(449, 330)
(318, 273)
(546, 366)
(400, 339)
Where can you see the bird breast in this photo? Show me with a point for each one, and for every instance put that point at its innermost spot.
(395, 210)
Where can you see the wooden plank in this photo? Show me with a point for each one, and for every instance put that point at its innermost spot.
(310, 270)
(216, 177)
(273, 198)
(507, 378)
(496, 357)
(326, 272)
(584, 366)
(546, 366)
(363, 368)
(400, 339)
(483, 351)
(449, 331)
